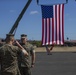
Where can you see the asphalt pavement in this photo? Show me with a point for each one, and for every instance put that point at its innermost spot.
(59, 63)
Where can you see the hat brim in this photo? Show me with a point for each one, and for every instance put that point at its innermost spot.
(23, 37)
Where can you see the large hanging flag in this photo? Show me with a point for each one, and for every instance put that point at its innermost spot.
(52, 24)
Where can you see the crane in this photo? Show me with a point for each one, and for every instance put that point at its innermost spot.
(14, 27)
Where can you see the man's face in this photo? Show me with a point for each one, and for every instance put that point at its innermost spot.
(24, 40)
(13, 40)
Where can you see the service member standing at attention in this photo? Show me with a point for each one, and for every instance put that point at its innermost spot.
(8, 56)
(27, 61)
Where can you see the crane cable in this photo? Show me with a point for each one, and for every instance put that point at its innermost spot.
(39, 4)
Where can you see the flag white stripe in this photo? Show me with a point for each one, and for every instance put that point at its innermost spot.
(61, 23)
(50, 30)
(54, 24)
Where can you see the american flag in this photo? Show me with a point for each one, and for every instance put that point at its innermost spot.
(52, 24)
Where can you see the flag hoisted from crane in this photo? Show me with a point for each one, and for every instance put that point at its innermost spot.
(52, 24)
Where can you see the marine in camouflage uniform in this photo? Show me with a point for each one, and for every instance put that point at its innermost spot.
(27, 61)
(8, 54)
(8, 57)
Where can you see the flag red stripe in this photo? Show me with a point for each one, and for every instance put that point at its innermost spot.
(52, 30)
(49, 32)
(42, 31)
(45, 31)
(56, 21)
(63, 23)
(59, 25)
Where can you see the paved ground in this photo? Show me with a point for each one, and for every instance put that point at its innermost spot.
(59, 63)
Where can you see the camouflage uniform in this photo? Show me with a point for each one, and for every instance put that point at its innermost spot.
(26, 60)
(8, 57)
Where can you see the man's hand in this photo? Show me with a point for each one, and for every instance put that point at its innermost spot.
(23, 50)
(32, 65)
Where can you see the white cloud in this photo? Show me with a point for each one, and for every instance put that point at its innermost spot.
(67, 14)
(72, 19)
(34, 12)
(12, 11)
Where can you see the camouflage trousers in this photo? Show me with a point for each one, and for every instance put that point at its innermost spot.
(11, 73)
(25, 71)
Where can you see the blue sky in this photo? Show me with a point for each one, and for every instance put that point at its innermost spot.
(31, 22)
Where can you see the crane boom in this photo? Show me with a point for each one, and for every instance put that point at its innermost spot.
(14, 27)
